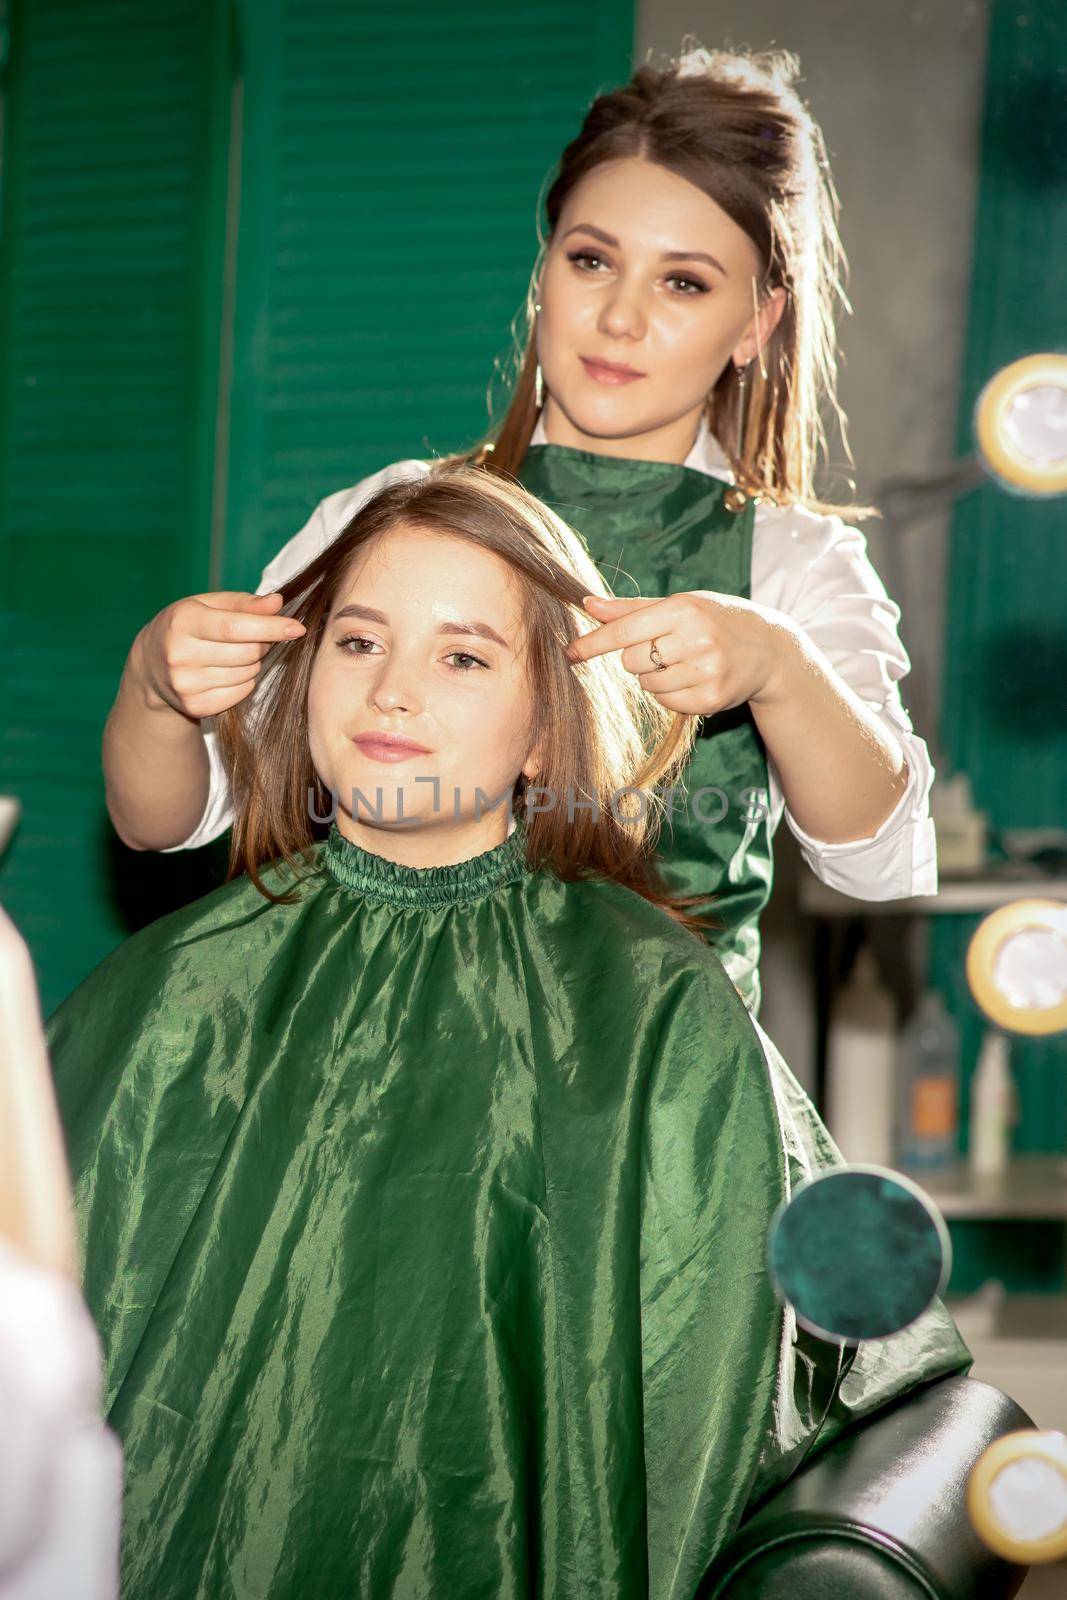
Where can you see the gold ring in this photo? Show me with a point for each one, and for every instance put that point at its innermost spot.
(657, 660)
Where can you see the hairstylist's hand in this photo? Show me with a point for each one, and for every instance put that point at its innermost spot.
(717, 650)
(201, 655)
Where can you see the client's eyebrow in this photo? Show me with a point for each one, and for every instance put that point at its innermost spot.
(481, 630)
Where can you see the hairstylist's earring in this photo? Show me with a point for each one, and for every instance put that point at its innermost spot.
(759, 341)
(742, 391)
(539, 382)
(735, 498)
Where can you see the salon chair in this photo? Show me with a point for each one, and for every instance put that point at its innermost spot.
(880, 1514)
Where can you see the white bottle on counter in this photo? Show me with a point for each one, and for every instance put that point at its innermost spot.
(992, 1106)
(860, 1066)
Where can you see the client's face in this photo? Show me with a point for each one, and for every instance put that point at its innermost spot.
(425, 640)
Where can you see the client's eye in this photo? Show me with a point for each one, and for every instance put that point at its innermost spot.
(360, 638)
(465, 655)
(354, 638)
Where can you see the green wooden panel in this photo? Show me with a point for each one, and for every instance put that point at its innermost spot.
(1026, 1259)
(384, 170)
(1004, 716)
(1004, 706)
(113, 196)
(393, 161)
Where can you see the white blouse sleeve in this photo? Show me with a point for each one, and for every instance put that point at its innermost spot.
(816, 569)
(324, 524)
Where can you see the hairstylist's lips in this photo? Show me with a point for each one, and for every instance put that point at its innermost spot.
(389, 746)
(609, 371)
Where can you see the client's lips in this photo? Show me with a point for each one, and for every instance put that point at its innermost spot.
(389, 746)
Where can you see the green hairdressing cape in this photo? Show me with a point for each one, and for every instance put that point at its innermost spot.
(424, 1222)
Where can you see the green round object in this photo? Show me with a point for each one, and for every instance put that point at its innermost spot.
(859, 1253)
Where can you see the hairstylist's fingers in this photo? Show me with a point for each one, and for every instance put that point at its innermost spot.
(236, 599)
(238, 618)
(198, 635)
(183, 648)
(212, 701)
(190, 681)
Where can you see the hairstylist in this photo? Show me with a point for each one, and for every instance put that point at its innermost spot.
(668, 407)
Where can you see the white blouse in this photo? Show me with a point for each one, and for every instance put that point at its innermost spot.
(813, 568)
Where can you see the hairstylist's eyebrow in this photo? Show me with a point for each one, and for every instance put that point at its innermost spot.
(480, 630)
(668, 255)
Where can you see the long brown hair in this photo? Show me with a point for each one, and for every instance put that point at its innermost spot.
(733, 125)
(603, 738)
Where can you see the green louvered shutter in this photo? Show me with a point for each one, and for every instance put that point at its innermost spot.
(1004, 716)
(393, 161)
(113, 204)
(386, 167)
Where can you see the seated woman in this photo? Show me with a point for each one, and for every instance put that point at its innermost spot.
(425, 1170)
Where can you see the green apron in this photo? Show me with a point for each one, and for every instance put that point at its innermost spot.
(654, 528)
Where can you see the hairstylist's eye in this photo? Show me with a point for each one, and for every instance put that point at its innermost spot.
(584, 255)
(683, 277)
(672, 277)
